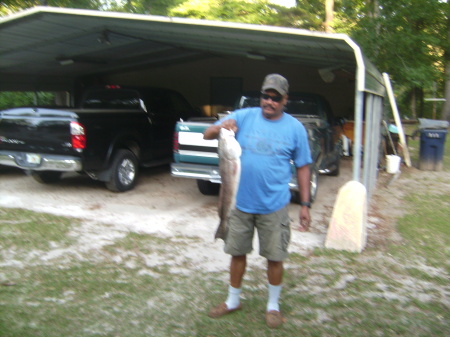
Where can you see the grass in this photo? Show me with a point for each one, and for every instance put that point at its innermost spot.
(136, 286)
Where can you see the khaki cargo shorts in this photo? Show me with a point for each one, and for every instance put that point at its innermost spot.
(274, 234)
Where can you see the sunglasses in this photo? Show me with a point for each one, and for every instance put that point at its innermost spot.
(276, 98)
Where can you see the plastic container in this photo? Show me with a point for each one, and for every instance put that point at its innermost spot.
(432, 142)
(392, 164)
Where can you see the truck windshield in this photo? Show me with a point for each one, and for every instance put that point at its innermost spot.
(302, 106)
(296, 105)
(112, 99)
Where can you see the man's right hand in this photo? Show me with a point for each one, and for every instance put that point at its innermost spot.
(213, 131)
(229, 124)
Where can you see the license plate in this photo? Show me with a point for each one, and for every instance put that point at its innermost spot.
(33, 158)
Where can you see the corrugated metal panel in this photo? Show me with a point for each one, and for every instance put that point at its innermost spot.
(33, 41)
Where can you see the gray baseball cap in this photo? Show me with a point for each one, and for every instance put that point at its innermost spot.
(276, 82)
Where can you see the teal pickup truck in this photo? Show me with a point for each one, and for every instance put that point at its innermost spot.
(196, 158)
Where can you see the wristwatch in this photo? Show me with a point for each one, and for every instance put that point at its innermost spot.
(304, 203)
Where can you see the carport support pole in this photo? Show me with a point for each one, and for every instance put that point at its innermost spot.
(359, 109)
(359, 106)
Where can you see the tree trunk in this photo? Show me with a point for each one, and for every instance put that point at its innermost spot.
(329, 16)
(413, 104)
(373, 12)
(445, 114)
(421, 101)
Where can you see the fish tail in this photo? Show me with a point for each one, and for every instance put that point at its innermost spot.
(220, 232)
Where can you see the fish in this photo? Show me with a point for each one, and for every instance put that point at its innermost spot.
(230, 172)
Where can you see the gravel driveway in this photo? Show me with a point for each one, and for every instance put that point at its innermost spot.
(160, 204)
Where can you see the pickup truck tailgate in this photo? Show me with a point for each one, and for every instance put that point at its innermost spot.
(195, 157)
(36, 130)
(191, 147)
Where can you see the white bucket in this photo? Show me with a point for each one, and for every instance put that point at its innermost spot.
(392, 163)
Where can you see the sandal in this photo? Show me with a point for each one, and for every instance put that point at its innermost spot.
(274, 318)
(222, 310)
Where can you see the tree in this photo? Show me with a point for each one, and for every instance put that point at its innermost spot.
(258, 11)
(10, 99)
(154, 7)
(308, 14)
(406, 38)
(329, 15)
(8, 7)
(445, 114)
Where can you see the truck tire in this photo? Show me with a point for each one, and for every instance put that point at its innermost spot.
(314, 185)
(336, 168)
(124, 170)
(208, 188)
(46, 177)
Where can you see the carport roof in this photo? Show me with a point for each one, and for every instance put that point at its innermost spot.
(45, 46)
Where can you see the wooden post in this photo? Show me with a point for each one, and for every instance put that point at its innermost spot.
(398, 121)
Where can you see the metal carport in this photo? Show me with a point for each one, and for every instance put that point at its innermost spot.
(47, 48)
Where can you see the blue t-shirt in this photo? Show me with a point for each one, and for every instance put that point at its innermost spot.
(267, 148)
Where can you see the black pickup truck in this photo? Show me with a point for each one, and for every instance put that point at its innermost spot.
(113, 132)
(198, 159)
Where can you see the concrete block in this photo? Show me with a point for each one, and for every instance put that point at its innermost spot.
(348, 224)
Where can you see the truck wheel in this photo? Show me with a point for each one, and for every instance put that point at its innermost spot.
(124, 170)
(208, 188)
(336, 169)
(314, 185)
(46, 177)
(314, 181)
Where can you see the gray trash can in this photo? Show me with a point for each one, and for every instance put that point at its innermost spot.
(432, 144)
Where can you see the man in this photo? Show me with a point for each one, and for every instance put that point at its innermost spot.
(269, 139)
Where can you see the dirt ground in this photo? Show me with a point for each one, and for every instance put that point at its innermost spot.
(173, 207)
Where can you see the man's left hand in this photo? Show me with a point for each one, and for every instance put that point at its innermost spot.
(305, 219)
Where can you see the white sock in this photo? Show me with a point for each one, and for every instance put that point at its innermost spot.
(274, 296)
(234, 297)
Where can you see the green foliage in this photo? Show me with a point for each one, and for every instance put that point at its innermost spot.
(8, 7)
(308, 14)
(10, 99)
(260, 12)
(402, 31)
(405, 38)
(153, 7)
